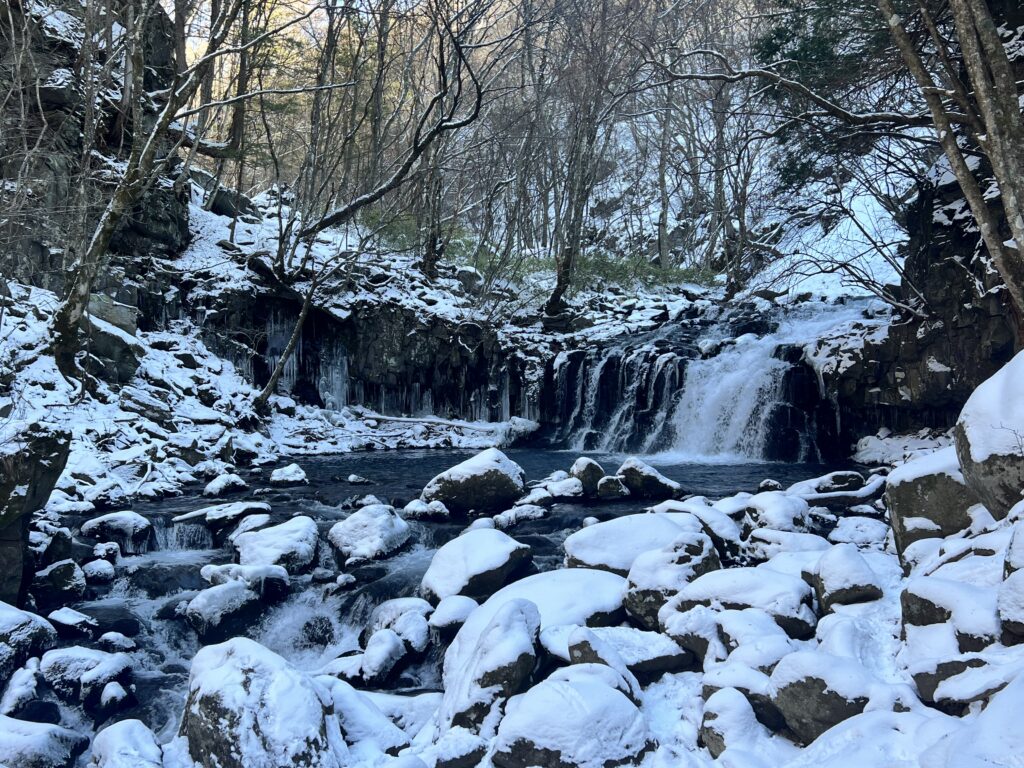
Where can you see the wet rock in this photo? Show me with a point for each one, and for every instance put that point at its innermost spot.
(610, 488)
(249, 708)
(476, 564)
(498, 666)
(488, 482)
(129, 530)
(589, 473)
(645, 482)
(58, 584)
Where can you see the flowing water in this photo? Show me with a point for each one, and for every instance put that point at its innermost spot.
(148, 583)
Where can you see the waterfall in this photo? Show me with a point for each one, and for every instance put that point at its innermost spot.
(658, 394)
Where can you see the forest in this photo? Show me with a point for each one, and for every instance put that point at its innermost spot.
(511, 383)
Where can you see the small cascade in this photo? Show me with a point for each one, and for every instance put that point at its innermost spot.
(179, 537)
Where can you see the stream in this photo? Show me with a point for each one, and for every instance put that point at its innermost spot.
(317, 624)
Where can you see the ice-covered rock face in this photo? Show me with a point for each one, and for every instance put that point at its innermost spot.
(249, 708)
(488, 482)
(989, 437)
(476, 564)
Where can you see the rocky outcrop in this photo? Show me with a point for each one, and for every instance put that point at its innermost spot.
(28, 471)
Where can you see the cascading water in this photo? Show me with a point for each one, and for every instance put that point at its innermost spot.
(659, 394)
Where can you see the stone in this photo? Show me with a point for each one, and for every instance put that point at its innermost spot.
(488, 482)
(58, 584)
(126, 744)
(657, 575)
(79, 675)
(928, 497)
(476, 564)
(589, 473)
(129, 530)
(645, 482)
(38, 745)
(815, 691)
(843, 577)
(22, 636)
(611, 487)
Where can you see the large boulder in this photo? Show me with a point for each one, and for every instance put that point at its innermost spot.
(645, 482)
(656, 576)
(498, 667)
(249, 708)
(989, 437)
(815, 691)
(38, 745)
(488, 482)
(843, 576)
(584, 723)
(476, 564)
(614, 545)
(589, 473)
(292, 545)
(369, 533)
(81, 675)
(58, 584)
(928, 497)
(30, 464)
(22, 635)
(129, 530)
(126, 744)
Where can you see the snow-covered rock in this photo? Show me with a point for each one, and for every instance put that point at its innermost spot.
(646, 655)
(777, 510)
(372, 532)
(814, 691)
(58, 584)
(657, 575)
(126, 744)
(589, 473)
(363, 725)
(566, 596)
(497, 667)
(451, 613)
(222, 516)
(476, 564)
(989, 436)
(579, 724)
(224, 484)
(1010, 603)
(970, 610)
(645, 482)
(729, 722)
(22, 635)
(407, 617)
(72, 625)
(131, 531)
(611, 487)
(928, 497)
(249, 708)
(614, 545)
(788, 599)
(487, 482)
(520, 513)
(223, 610)
(98, 571)
(80, 674)
(843, 576)
(38, 745)
(417, 509)
(292, 545)
(292, 474)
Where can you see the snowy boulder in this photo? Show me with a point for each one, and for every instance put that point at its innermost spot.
(970, 610)
(928, 497)
(488, 482)
(126, 744)
(614, 545)
(224, 484)
(38, 745)
(58, 584)
(1010, 603)
(223, 611)
(565, 596)
(375, 665)
(98, 572)
(79, 675)
(451, 613)
(292, 545)
(787, 599)
(476, 564)
(988, 437)
(657, 575)
(864, 532)
(777, 510)
(580, 724)
(131, 531)
(589, 473)
(362, 724)
(646, 655)
(611, 488)
(728, 721)
(22, 635)
(292, 474)
(372, 532)
(520, 513)
(498, 667)
(645, 482)
(417, 509)
(249, 708)
(73, 625)
(270, 581)
(407, 617)
(815, 691)
(843, 576)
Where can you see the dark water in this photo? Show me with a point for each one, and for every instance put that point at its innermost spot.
(149, 581)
